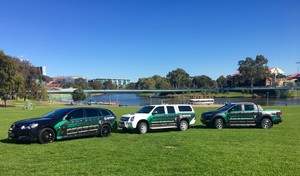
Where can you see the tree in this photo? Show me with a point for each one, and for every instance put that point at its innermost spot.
(179, 79)
(32, 84)
(109, 85)
(221, 82)
(146, 83)
(8, 73)
(203, 81)
(19, 85)
(161, 82)
(80, 82)
(96, 85)
(18, 78)
(131, 86)
(78, 95)
(254, 70)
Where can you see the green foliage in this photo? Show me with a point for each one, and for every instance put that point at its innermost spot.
(253, 70)
(78, 95)
(221, 82)
(109, 85)
(145, 83)
(96, 85)
(197, 151)
(80, 82)
(155, 82)
(202, 82)
(179, 79)
(277, 93)
(19, 79)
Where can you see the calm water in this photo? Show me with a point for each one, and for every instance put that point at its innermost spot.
(134, 100)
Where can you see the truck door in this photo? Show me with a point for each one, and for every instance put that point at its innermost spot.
(234, 114)
(250, 113)
(158, 116)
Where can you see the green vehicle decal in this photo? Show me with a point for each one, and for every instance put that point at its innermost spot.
(68, 127)
(163, 118)
(57, 128)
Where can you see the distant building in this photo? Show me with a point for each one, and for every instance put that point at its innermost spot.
(42, 70)
(118, 82)
(57, 82)
(71, 79)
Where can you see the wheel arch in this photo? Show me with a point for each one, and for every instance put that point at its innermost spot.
(185, 119)
(47, 126)
(263, 117)
(218, 117)
(143, 120)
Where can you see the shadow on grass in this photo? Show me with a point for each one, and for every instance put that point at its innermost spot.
(199, 127)
(8, 141)
(134, 131)
(230, 127)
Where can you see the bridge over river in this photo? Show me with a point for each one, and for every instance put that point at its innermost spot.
(282, 89)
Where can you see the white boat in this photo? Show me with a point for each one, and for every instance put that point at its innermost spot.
(207, 101)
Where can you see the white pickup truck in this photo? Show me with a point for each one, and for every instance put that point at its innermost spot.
(159, 117)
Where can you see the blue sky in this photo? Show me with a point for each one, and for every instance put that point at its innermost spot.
(141, 38)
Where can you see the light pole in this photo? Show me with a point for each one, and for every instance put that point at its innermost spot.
(267, 98)
(297, 79)
(298, 67)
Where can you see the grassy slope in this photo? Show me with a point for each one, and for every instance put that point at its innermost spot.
(198, 151)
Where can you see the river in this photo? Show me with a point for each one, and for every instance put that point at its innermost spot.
(134, 100)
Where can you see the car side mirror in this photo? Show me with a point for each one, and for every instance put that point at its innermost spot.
(68, 117)
(154, 112)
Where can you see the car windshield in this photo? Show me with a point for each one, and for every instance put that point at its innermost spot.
(225, 107)
(145, 109)
(59, 113)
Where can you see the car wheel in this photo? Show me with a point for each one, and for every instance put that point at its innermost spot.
(46, 135)
(105, 130)
(266, 123)
(142, 128)
(219, 123)
(183, 125)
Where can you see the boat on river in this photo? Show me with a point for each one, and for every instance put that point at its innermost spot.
(207, 101)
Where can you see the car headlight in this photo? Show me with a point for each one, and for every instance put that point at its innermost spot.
(30, 126)
(132, 119)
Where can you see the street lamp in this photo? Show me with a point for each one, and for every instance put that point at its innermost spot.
(297, 78)
(267, 98)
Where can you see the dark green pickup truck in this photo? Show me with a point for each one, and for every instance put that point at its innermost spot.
(241, 114)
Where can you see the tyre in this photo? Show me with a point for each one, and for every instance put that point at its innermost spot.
(46, 135)
(219, 123)
(266, 123)
(142, 127)
(105, 130)
(183, 125)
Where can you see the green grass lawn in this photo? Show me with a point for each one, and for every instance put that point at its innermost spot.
(197, 151)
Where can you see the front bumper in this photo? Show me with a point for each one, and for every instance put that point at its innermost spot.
(22, 135)
(125, 124)
(205, 120)
(277, 120)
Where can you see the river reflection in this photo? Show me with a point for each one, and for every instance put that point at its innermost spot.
(134, 100)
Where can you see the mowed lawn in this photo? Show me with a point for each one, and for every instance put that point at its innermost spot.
(197, 151)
